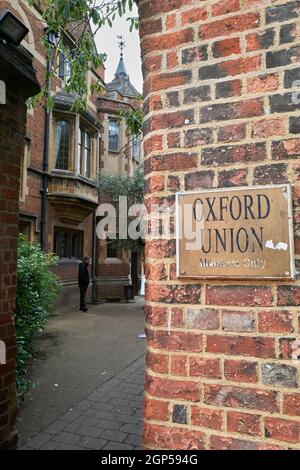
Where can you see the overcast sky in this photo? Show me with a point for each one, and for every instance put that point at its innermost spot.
(106, 40)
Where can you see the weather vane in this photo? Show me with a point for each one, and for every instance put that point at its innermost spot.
(121, 45)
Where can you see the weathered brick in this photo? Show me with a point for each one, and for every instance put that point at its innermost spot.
(161, 249)
(194, 54)
(172, 60)
(157, 362)
(291, 404)
(288, 295)
(151, 27)
(197, 137)
(226, 47)
(206, 417)
(199, 180)
(169, 80)
(228, 178)
(280, 375)
(153, 144)
(294, 124)
(172, 162)
(240, 371)
(222, 8)
(282, 12)
(173, 183)
(246, 296)
(174, 294)
(229, 26)
(156, 272)
(231, 133)
(288, 33)
(173, 438)
(282, 430)
(226, 111)
(285, 149)
(171, 21)
(174, 140)
(174, 341)
(286, 348)
(284, 57)
(177, 316)
(268, 126)
(263, 83)
(156, 410)
(243, 423)
(229, 88)
(173, 99)
(167, 41)
(172, 120)
(238, 321)
(197, 94)
(176, 389)
(290, 77)
(241, 397)
(229, 68)
(207, 368)
(241, 345)
(275, 322)
(203, 319)
(260, 40)
(272, 174)
(193, 15)
(229, 154)
(156, 316)
(179, 365)
(228, 443)
(179, 414)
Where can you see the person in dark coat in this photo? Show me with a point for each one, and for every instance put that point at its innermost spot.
(83, 281)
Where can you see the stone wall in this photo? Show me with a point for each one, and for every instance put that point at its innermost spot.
(221, 111)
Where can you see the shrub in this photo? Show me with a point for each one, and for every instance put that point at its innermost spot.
(37, 288)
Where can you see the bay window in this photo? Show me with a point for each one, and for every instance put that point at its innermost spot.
(84, 153)
(62, 145)
(113, 135)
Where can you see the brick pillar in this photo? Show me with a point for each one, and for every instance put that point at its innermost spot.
(220, 112)
(20, 84)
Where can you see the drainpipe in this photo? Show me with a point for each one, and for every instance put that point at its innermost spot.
(52, 38)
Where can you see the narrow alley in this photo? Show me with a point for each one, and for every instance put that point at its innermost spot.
(88, 378)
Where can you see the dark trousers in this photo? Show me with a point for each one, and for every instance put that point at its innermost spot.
(83, 290)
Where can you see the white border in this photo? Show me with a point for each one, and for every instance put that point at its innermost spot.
(288, 187)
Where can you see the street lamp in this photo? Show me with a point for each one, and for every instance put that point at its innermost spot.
(52, 37)
(11, 28)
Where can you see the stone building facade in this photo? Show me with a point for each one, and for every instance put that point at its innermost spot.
(122, 154)
(64, 153)
(222, 110)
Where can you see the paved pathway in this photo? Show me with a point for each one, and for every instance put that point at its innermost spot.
(110, 418)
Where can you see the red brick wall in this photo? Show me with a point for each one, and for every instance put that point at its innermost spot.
(12, 138)
(218, 89)
(12, 131)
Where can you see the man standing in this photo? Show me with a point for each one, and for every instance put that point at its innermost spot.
(83, 281)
